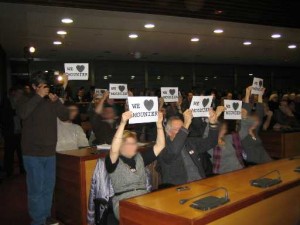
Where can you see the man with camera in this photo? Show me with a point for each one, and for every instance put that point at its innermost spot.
(39, 114)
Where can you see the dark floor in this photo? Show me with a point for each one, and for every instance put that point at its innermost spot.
(13, 201)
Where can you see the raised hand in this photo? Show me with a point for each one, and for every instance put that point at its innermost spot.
(220, 110)
(188, 116)
(126, 116)
(213, 118)
(53, 97)
(160, 119)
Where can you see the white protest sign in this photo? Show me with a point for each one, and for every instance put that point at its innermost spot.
(99, 92)
(257, 86)
(233, 110)
(77, 71)
(169, 94)
(200, 106)
(144, 109)
(118, 91)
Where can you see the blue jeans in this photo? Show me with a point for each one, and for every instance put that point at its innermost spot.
(40, 180)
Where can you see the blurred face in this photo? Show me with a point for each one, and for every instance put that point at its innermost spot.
(81, 93)
(108, 113)
(27, 89)
(229, 96)
(129, 147)
(73, 112)
(190, 96)
(175, 127)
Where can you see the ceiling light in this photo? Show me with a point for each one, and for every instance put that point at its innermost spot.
(292, 46)
(158, 78)
(132, 77)
(149, 25)
(250, 74)
(276, 35)
(182, 78)
(215, 77)
(46, 71)
(194, 39)
(247, 43)
(61, 32)
(109, 75)
(31, 49)
(105, 77)
(67, 20)
(57, 42)
(218, 31)
(133, 36)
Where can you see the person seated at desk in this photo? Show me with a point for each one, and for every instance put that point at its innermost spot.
(227, 155)
(284, 117)
(126, 167)
(70, 136)
(182, 161)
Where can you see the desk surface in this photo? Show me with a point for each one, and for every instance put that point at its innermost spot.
(165, 203)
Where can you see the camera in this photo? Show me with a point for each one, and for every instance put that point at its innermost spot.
(53, 79)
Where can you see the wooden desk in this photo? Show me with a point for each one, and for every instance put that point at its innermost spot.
(73, 181)
(248, 205)
(74, 173)
(281, 144)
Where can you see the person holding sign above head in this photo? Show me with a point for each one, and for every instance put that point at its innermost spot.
(126, 166)
(181, 160)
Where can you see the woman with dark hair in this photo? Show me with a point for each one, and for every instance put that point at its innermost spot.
(228, 154)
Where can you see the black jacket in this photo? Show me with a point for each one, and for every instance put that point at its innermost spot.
(171, 161)
(39, 116)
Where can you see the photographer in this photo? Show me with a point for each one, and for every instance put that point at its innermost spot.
(39, 113)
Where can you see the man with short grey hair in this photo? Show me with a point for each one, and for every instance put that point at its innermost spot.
(181, 160)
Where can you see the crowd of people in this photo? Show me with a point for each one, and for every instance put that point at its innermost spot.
(36, 123)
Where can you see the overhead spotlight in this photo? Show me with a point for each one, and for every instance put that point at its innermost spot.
(105, 77)
(292, 46)
(57, 42)
(61, 32)
(133, 36)
(247, 43)
(149, 25)
(158, 78)
(46, 71)
(195, 39)
(250, 74)
(218, 31)
(31, 49)
(276, 35)
(182, 78)
(67, 20)
(132, 77)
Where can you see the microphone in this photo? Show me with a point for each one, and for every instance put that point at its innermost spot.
(294, 157)
(263, 182)
(183, 201)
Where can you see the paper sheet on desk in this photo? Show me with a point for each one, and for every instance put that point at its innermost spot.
(103, 147)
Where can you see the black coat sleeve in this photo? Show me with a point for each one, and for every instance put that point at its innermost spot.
(173, 148)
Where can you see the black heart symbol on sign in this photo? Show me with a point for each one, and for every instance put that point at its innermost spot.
(260, 83)
(172, 91)
(235, 105)
(205, 102)
(121, 88)
(80, 68)
(148, 104)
